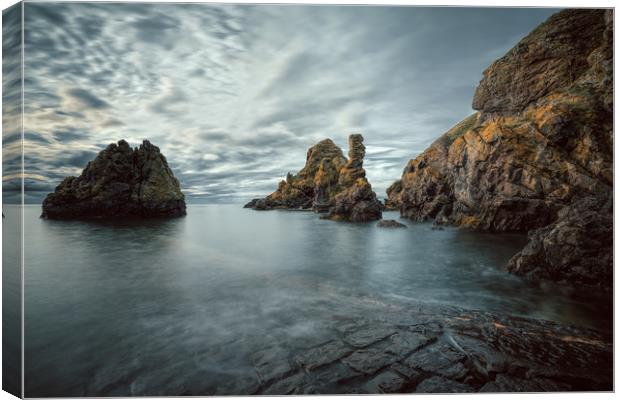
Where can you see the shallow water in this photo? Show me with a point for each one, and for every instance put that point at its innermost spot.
(179, 306)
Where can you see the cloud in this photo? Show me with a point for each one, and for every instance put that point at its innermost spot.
(87, 99)
(234, 95)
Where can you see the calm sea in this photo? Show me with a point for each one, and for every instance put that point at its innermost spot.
(179, 306)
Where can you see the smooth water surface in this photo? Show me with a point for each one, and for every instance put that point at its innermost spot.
(179, 306)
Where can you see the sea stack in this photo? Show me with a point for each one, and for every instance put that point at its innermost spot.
(119, 182)
(355, 202)
(328, 183)
(536, 156)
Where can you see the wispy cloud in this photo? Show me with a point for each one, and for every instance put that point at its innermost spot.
(234, 95)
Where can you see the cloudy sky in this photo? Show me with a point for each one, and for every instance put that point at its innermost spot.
(235, 95)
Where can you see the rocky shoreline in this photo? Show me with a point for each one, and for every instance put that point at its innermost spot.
(438, 349)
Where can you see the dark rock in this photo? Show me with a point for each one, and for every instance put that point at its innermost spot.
(390, 223)
(291, 385)
(404, 343)
(386, 382)
(252, 203)
(437, 384)
(369, 361)
(119, 182)
(368, 335)
(323, 355)
(272, 364)
(577, 248)
(439, 349)
(441, 359)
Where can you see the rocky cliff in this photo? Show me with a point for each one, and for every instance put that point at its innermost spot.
(119, 182)
(539, 145)
(328, 183)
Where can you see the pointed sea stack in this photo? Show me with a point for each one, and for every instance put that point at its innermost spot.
(537, 156)
(328, 183)
(355, 202)
(119, 182)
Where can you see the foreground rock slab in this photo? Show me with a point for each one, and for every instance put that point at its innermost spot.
(119, 182)
(438, 349)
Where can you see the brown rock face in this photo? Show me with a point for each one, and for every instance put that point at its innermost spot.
(120, 182)
(355, 202)
(328, 183)
(542, 139)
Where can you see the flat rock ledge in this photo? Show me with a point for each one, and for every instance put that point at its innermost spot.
(436, 349)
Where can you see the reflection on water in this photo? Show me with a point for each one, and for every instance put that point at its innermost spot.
(179, 306)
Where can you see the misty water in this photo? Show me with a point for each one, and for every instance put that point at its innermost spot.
(179, 306)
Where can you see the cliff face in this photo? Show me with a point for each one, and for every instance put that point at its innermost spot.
(328, 183)
(540, 143)
(119, 182)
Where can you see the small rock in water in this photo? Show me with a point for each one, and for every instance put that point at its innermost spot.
(390, 223)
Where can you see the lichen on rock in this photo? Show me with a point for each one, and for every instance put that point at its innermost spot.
(541, 139)
(119, 182)
(328, 183)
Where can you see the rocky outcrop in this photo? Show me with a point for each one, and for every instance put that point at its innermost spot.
(541, 140)
(355, 201)
(390, 223)
(577, 248)
(313, 185)
(119, 182)
(328, 183)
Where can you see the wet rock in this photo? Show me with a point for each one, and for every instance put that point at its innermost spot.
(272, 364)
(386, 382)
(369, 361)
(540, 141)
(390, 223)
(437, 384)
(404, 343)
(503, 383)
(449, 350)
(577, 248)
(291, 385)
(323, 355)
(441, 359)
(119, 182)
(368, 335)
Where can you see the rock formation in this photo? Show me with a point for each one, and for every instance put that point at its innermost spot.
(328, 183)
(119, 182)
(540, 142)
(355, 201)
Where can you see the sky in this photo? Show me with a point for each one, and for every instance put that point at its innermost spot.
(234, 95)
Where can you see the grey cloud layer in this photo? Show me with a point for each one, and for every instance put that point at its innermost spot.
(234, 95)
